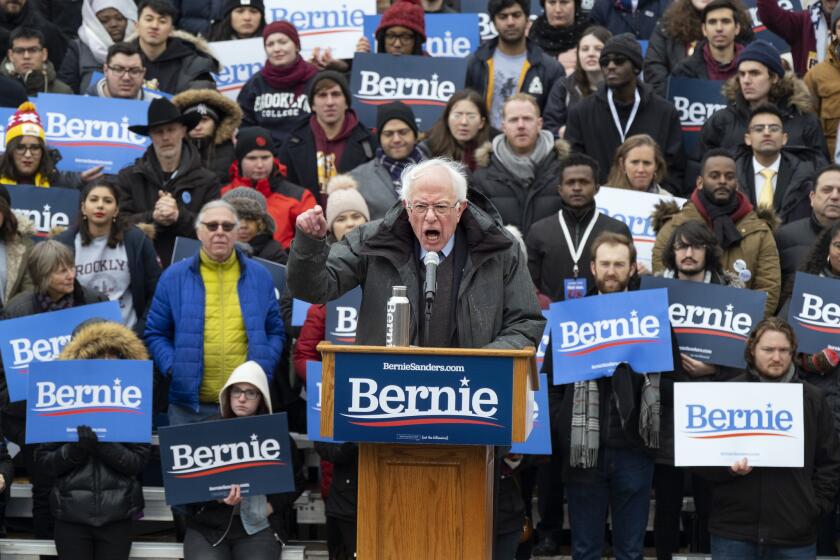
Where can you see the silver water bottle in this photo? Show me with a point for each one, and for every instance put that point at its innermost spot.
(398, 319)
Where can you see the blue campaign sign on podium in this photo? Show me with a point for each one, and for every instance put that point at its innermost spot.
(391, 398)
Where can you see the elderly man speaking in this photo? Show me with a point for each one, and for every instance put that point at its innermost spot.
(484, 298)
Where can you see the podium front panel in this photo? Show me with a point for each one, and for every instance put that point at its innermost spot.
(423, 399)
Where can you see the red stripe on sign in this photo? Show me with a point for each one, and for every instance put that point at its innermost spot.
(829, 330)
(611, 344)
(231, 468)
(709, 332)
(420, 421)
(91, 410)
(747, 434)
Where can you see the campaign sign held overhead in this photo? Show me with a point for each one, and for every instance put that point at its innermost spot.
(201, 461)
(343, 316)
(46, 209)
(592, 335)
(815, 313)
(326, 24)
(114, 397)
(696, 101)
(712, 322)
(634, 208)
(446, 34)
(424, 83)
(539, 440)
(93, 131)
(716, 424)
(761, 31)
(390, 398)
(239, 61)
(41, 337)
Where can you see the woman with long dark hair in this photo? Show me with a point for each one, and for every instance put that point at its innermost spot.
(581, 83)
(244, 19)
(111, 257)
(275, 97)
(463, 127)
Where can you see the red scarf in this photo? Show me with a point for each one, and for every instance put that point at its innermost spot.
(285, 78)
(715, 69)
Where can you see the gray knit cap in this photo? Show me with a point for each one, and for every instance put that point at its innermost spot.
(250, 204)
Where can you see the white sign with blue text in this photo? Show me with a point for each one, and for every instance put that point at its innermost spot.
(239, 60)
(634, 208)
(717, 424)
(333, 24)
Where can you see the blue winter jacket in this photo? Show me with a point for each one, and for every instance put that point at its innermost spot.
(179, 300)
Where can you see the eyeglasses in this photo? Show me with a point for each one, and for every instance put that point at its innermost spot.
(213, 226)
(470, 117)
(759, 128)
(27, 50)
(121, 71)
(34, 149)
(617, 59)
(401, 37)
(441, 209)
(684, 246)
(250, 394)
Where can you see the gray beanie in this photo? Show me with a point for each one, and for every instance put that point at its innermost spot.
(250, 204)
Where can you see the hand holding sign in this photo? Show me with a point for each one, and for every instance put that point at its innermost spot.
(363, 45)
(313, 223)
(234, 497)
(741, 467)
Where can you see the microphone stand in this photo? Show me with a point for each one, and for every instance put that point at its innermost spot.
(430, 299)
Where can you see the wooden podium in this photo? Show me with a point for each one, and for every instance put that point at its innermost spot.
(428, 501)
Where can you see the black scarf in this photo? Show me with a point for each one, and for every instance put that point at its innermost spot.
(555, 40)
(721, 218)
(577, 214)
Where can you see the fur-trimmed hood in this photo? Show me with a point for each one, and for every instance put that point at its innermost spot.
(106, 338)
(197, 42)
(230, 112)
(483, 152)
(662, 212)
(790, 94)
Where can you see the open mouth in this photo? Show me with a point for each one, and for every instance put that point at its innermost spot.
(432, 235)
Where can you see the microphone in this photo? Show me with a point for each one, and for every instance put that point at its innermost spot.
(431, 260)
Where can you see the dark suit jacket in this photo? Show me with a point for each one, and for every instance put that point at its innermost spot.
(790, 201)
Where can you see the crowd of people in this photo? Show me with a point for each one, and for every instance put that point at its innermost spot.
(503, 186)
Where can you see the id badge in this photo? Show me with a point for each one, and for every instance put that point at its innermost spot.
(574, 287)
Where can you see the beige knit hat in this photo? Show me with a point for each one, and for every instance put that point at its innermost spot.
(343, 195)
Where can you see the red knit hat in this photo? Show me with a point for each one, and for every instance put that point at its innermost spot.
(284, 27)
(405, 13)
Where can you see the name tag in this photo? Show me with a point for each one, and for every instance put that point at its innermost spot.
(574, 288)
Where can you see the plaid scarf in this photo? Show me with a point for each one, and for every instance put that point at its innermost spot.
(650, 415)
(586, 425)
(395, 167)
(47, 304)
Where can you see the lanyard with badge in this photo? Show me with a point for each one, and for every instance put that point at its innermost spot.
(637, 100)
(576, 287)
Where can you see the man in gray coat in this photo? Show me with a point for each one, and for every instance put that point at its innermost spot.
(484, 297)
(380, 179)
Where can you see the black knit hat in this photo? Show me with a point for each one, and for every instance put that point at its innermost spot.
(625, 44)
(396, 110)
(231, 5)
(764, 53)
(337, 77)
(252, 138)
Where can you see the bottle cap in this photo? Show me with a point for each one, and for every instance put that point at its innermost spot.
(399, 291)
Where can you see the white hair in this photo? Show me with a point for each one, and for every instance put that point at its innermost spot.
(416, 170)
(216, 204)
